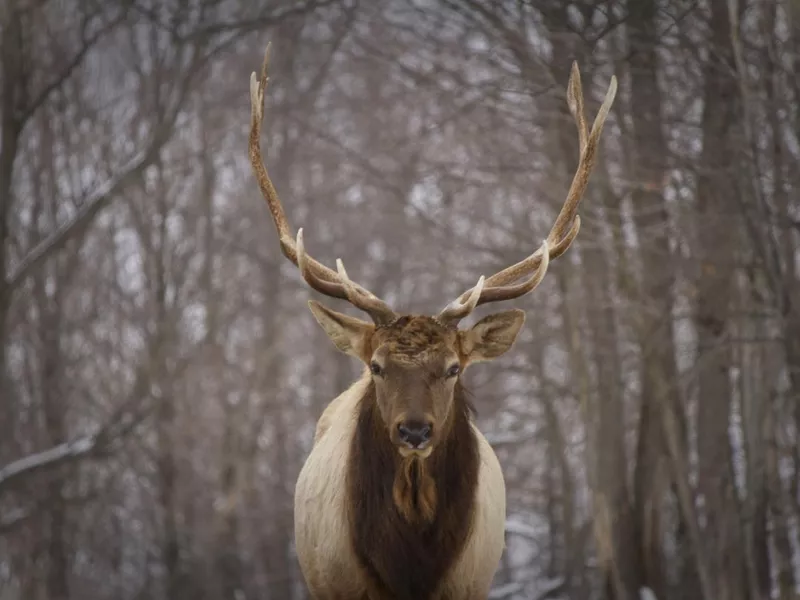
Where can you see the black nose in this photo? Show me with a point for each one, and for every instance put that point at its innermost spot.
(415, 433)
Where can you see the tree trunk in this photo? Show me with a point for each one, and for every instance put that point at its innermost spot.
(613, 522)
(10, 129)
(716, 249)
(659, 373)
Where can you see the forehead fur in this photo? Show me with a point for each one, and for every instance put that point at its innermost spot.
(415, 338)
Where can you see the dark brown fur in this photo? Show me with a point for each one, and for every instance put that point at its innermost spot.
(414, 491)
(414, 337)
(403, 558)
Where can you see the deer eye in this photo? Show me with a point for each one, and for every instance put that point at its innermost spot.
(452, 371)
(375, 368)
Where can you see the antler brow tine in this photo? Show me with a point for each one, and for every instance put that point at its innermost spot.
(457, 309)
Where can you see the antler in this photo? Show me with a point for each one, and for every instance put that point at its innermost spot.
(318, 276)
(499, 286)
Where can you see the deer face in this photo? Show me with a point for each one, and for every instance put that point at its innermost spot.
(414, 363)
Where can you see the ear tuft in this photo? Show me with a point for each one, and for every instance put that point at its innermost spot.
(492, 336)
(350, 335)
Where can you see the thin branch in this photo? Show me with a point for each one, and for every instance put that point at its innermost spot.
(82, 219)
(52, 457)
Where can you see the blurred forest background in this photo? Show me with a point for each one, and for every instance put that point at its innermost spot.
(160, 373)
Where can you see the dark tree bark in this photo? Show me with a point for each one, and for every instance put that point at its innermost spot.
(659, 371)
(717, 241)
(614, 524)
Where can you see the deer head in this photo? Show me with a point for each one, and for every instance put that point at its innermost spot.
(415, 361)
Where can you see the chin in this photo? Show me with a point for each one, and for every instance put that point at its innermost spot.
(406, 452)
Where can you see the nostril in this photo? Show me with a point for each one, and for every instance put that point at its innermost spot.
(414, 433)
(404, 431)
(425, 432)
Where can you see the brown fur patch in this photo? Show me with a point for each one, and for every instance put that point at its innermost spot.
(414, 491)
(409, 558)
(414, 338)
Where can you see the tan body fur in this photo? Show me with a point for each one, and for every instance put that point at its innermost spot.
(321, 526)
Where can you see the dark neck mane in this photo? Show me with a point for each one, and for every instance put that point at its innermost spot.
(409, 522)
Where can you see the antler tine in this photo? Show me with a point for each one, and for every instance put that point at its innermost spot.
(509, 292)
(343, 288)
(535, 259)
(333, 289)
(478, 295)
(588, 154)
(317, 275)
(532, 262)
(575, 103)
(567, 223)
(380, 312)
(457, 310)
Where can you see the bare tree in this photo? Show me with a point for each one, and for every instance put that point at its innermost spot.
(158, 390)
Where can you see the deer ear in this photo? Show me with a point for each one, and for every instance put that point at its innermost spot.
(492, 336)
(350, 335)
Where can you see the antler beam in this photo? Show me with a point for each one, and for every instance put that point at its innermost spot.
(499, 286)
(318, 276)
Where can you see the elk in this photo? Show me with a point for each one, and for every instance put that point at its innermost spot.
(402, 497)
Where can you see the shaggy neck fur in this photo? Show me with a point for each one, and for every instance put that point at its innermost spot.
(410, 518)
